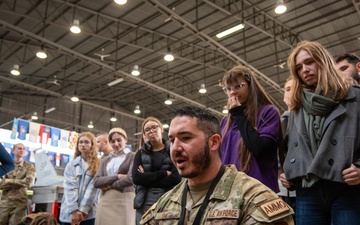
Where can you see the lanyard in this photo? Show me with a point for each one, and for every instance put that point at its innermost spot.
(204, 203)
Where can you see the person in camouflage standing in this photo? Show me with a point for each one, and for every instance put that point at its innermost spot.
(14, 186)
(211, 193)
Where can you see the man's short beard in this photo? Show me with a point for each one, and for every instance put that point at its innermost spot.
(202, 162)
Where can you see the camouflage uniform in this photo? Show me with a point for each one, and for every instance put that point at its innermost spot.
(14, 198)
(237, 199)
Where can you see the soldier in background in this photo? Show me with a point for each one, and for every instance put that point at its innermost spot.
(211, 193)
(14, 185)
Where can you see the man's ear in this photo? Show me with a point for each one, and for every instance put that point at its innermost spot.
(358, 66)
(214, 142)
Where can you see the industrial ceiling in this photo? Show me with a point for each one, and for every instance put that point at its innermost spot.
(114, 38)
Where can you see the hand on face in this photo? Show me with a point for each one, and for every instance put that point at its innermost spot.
(233, 102)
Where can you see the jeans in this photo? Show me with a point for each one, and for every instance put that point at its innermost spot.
(84, 222)
(328, 203)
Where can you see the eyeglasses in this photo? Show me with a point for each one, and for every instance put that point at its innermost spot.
(84, 142)
(152, 128)
(235, 88)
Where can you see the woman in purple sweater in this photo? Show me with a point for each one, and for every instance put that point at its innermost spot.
(252, 129)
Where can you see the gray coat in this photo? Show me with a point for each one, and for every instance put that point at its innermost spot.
(339, 145)
(101, 178)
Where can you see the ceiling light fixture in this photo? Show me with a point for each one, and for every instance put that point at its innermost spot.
(50, 110)
(15, 71)
(280, 7)
(137, 110)
(202, 89)
(169, 57)
(168, 101)
(135, 71)
(112, 83)
(34, 116)
(75, 99)
(165, 126)
(225, 110)
(91, 125)
(120, 2)
(75, 28)
(41, 54)
(230, 31)
(113, 118)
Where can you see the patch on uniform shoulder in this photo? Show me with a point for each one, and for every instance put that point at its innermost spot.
(274, 207)
(226, 213)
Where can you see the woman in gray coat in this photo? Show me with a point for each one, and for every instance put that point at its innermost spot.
(323, 157)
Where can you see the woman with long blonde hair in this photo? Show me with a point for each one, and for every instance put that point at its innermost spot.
(252, 129)
(323, 159)
(78, 206)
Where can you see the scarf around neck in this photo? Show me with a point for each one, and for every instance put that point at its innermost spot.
(315, 110)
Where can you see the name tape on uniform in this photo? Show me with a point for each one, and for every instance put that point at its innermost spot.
(227, 213)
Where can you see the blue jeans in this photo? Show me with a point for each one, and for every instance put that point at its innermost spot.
(328, 203)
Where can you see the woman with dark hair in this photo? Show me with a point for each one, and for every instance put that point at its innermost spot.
(153, 171)
(323, 159)
(115, 181)
(78, 206)
(252, 129)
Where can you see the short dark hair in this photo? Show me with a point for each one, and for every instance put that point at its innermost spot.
(350, 57)
(206, 121)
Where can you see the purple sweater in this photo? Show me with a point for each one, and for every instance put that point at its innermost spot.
(265, 169)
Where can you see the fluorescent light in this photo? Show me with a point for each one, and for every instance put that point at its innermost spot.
(75, 28)
(50, 110)
(112, 83)
(230, 31)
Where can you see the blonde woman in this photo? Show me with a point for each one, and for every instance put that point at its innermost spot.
(78, 206)
(153, 172)
(323, 157)
(115, 181)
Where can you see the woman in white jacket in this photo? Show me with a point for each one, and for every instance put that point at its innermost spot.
(78, 206)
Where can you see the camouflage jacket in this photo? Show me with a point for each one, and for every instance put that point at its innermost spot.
(21, 178)
(237, 199)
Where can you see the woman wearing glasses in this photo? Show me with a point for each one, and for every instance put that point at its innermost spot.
(252, 129)
(153, 171)
(78, 205)
(115, 181)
